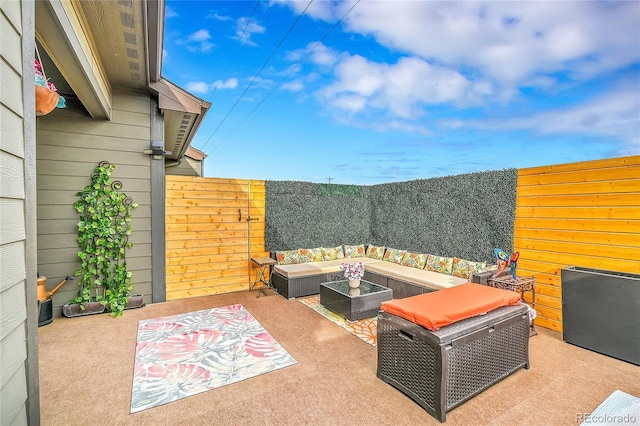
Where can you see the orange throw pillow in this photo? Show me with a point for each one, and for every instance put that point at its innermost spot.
(443, 307)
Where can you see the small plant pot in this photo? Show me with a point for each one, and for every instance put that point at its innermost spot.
(70, 310)
(135, 301)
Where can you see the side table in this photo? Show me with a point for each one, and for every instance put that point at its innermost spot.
(521, 285)
(262, 264)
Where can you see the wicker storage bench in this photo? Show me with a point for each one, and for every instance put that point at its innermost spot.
(442, 369)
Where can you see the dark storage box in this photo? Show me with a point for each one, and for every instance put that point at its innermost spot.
(601, 311)
(442, 369)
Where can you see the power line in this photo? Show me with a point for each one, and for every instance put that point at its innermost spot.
(298, 64)
(258, 73)
(244, 30)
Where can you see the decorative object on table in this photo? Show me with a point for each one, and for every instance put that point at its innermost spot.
(353, 272)
(104, 229)
(47, 96)
(365, 329)
(186, 354)
(503, 260)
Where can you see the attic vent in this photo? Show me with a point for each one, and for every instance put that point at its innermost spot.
(127, 20)
(132, 53)
(130, 38)
(127, 3)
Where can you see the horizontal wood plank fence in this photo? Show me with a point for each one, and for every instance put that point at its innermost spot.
(209, 238)
(580, 214)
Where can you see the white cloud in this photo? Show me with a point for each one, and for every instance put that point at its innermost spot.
(170, 12)
(245, 29)
(230, 83)
(198, 41)
(197, 87)
(612, 115)
(509, 42)
(293, 86)
(401, 90)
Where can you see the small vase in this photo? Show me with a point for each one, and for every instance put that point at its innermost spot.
(354, 283)
(354, 291)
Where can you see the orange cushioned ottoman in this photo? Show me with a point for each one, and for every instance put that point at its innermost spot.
(443, 348)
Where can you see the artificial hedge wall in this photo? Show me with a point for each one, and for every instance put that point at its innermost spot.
(464, 215)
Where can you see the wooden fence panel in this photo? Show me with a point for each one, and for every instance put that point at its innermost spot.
(580, 214)
(209, 238)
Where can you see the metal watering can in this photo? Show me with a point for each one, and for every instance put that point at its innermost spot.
(45, 304)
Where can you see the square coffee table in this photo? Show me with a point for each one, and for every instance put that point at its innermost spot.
(353, 304)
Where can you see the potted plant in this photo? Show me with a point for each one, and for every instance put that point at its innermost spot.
(104, 229)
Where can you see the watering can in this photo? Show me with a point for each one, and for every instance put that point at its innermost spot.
(45, 304)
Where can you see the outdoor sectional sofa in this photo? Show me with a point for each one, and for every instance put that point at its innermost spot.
(299, 272)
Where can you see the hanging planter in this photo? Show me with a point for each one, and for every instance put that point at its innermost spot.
(46, 99)
(47, 96)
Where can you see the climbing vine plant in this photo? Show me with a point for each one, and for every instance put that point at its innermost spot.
(104, 229)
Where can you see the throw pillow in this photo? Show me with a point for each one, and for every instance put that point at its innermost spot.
(309, 255)
(354, 251)
(394, 255)
(287, 257)
(415, 260)
(466, 268)
(332, 253)
(441, 264)
(375, 252)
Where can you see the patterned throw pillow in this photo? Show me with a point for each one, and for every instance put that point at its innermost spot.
(415, 260)
(287, 257)
(375, 252)
(441, 264)
(465, 268)
(332, 253)
(394, 255)
(354, 251)
(309, 255)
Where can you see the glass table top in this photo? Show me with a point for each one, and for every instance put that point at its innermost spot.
(365, 287)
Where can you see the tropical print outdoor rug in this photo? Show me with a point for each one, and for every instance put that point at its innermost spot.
(365, 329)
(183, 355)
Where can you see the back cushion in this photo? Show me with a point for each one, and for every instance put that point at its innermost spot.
(441, 264)
(465, 268)
(332, 253)
(309, 255)
(375, 252)
(354, 251)
(394, 255)
(415, 260)
(287, 257)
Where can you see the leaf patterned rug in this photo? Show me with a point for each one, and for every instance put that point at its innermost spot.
(365, 329)
(182, 355)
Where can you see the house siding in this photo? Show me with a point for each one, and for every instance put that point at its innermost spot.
(70, 145)
(16, 329)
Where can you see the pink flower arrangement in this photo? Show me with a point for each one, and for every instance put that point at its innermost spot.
(40, 81)
(353, 271)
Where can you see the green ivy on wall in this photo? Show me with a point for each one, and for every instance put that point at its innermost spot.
(104, 229)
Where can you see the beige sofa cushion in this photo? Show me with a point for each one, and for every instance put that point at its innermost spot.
(430, 279)
(314, 268)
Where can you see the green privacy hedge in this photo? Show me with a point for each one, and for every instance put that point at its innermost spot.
(464, 215)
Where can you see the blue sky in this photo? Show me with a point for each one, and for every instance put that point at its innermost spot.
(382, 91)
